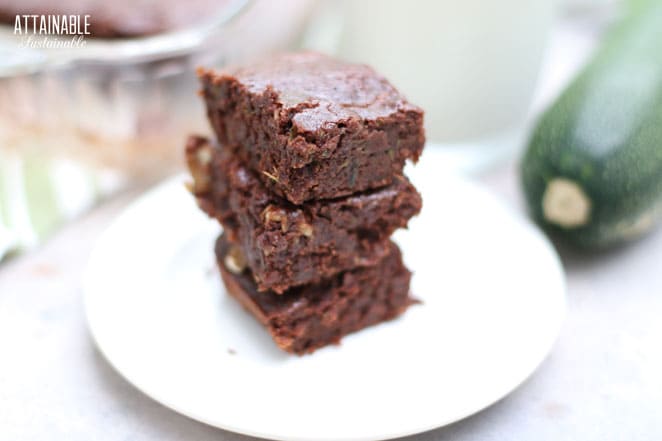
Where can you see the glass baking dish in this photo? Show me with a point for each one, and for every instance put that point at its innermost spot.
(123, 104)
(79, 124)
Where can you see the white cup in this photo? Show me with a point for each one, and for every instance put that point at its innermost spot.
(471, 65)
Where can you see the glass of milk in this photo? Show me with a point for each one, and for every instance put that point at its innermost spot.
(471, 65)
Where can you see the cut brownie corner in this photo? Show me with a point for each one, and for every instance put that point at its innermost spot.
(309, 317)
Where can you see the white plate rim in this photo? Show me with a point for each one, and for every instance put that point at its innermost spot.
(88, 283)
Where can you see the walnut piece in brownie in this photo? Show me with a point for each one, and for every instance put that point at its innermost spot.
(313, 127)
(311, 316)
(286, 245)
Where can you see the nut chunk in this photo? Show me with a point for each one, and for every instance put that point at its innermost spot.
(312, 127)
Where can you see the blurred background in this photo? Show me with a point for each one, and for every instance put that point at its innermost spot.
(79, 125)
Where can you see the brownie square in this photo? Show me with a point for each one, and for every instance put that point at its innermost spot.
(311, 316)
(287, 245)
(313, 127)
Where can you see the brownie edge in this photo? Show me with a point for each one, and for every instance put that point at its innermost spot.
(287, 245)
(309, 317)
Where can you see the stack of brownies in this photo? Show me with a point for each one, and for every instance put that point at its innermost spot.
(306, 179)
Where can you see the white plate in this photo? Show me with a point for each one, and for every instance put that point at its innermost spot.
(493, 301)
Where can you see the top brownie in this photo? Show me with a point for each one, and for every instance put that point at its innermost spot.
(313, 127)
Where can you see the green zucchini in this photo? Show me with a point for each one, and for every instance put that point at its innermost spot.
(592, 172)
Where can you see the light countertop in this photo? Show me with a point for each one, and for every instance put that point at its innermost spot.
(601, 382)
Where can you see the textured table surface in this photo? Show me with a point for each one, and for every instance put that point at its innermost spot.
(602, 381)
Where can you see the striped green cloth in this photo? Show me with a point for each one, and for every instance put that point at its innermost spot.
(38, 194)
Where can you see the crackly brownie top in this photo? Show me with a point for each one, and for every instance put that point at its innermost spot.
(320, 89)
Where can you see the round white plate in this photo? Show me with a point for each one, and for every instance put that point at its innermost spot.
(493, 302)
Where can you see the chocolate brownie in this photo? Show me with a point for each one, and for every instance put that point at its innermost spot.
(311, 316)
(313, 127)
(287, 245)
(119, 18)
